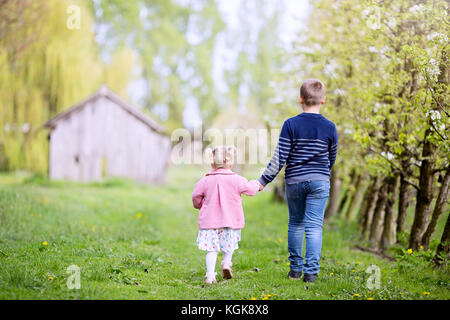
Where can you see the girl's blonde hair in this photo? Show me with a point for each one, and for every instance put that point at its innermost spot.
(222, 156)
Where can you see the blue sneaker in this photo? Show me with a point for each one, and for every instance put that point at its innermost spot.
(309, 277)
(295, 275)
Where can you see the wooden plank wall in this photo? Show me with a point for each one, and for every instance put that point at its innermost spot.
(103, 134)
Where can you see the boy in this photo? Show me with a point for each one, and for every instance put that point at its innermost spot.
(308, 146)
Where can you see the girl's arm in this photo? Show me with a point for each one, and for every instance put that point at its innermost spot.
(249, 188)
(198, 194)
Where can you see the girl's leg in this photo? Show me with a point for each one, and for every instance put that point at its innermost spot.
(226, 265)
(227, 258)
(211, 257)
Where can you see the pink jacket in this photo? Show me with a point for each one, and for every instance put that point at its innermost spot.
(218, 196)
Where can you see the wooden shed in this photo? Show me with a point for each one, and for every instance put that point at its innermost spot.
(104, 136)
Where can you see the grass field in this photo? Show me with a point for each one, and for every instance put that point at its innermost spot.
(138, 242)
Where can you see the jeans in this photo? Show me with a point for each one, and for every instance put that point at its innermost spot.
(306, 202)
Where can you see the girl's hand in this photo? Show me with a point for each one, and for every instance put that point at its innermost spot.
(260, 186)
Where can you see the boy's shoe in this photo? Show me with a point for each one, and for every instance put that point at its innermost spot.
(309, 277)
(295, 275)
(210, 278)
(226, 271)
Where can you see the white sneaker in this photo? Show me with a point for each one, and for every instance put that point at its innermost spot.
(226, 270)
(211, 278)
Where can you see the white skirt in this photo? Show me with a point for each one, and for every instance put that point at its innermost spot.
(222, 239)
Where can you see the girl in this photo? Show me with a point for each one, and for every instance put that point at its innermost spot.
(221, 217)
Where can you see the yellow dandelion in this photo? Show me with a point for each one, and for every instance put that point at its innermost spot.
(356, 295)
(138, 215)
(353, 270)
(370, 298)
(253, 298)
(265, 298)
(410, 251)
(421, 247)
(288, 263)
(426, 293)
(357, 278)
(45, 243)
(331, 273)
(269, 295)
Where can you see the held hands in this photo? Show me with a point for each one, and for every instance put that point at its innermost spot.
(261, 187)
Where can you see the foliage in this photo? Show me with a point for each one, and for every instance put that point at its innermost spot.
(49, 75)
(379, 61)
(174, 42)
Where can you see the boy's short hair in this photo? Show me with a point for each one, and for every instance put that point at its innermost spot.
(312, 92)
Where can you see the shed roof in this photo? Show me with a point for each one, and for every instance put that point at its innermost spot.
(105, 92)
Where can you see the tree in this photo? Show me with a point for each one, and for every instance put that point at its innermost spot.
(385, 67)
(42, 72)
(174, 44)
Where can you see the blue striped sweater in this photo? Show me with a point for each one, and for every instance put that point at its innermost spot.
(308, 146)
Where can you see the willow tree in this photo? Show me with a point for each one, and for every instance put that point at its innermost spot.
(45, 66)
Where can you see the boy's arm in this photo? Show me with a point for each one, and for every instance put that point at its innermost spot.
(332, 148)
(198, 194)
(279, 157)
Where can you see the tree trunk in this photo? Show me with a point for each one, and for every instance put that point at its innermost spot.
(343, 202)
(439, 207)
(356, 198)
(348, 193)
(376, 227)
(444, 245)
(425, 193)
(335, 188)
(388, 235)
(279, 192)
(403, 203)
(368, 206)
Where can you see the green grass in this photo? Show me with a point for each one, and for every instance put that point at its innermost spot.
(152, 255)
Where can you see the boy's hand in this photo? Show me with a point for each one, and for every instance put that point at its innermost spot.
(260, 186)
